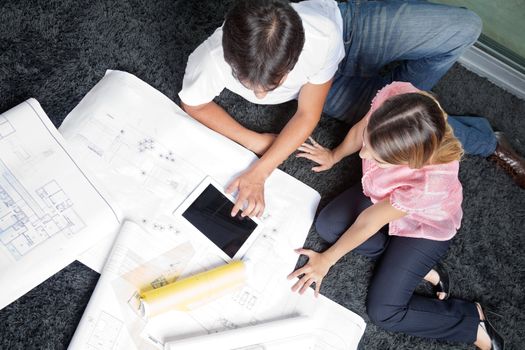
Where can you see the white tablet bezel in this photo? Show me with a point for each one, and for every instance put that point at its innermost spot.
(193, 196)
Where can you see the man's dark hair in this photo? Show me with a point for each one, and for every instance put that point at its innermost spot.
(262, 41)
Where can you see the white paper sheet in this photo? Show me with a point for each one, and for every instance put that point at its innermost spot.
(150, 155)
(108, 323)
(139, 256)
(50, 210)
(295, 332)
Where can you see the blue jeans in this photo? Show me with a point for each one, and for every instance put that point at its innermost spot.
(420, 41)
(475, 133)
(401, 264)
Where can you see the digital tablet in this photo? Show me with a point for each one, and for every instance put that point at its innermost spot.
(207, 210)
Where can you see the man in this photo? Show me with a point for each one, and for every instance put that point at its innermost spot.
(328, 56)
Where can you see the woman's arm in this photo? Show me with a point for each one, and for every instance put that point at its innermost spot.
(327, 158)
(367, 224)
(353, 141)
(370, 221)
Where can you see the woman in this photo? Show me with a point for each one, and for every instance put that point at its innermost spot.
(404, 214)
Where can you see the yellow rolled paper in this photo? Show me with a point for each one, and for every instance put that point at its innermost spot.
(192, 292)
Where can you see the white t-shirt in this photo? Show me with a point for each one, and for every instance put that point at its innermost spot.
(207, 73)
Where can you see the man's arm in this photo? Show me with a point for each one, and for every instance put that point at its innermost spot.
(296, 131)
(250, 184)
(216, 118)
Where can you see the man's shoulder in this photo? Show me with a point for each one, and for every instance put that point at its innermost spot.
(208, 58)
(206, 71)
(323, 46)
(319, 17)
(211, 48)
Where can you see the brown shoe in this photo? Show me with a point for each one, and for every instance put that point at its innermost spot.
(507, 158)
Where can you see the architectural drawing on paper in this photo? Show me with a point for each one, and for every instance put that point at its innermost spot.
(27, 220)
(129, 151)
(6, 128)
(159, 225)
(246, 298)
(146, 144)
(105, 333)
(252, 303)
(327, 339)
(158, 272)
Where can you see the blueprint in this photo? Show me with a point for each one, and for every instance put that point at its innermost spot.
(149, 259)
(149, 155)
(49, 207)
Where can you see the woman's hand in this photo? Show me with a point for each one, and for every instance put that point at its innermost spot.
(313, 272)
(317, 153)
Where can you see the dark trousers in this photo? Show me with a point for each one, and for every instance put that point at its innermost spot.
(401, 264)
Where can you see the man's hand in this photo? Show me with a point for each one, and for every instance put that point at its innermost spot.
(261, 142)
(313, 272)
(250, 193)
(317, 153)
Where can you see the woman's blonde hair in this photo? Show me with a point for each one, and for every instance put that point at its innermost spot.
(412, 129)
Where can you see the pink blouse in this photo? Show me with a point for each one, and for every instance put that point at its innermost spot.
(431, 196)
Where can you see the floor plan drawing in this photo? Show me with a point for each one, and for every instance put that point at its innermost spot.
(142, 171)
(27, 220)
(107, 329)
(49, 206)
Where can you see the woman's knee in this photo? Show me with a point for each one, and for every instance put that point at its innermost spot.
(383, 310)
(326, 228)
(382, 315)
(340, 213)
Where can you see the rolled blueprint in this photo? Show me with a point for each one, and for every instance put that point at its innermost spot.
(290, 333)
(192, 292)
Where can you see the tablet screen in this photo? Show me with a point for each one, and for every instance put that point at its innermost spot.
(210, 214)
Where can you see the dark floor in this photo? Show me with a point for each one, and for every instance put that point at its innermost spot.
(56, 51)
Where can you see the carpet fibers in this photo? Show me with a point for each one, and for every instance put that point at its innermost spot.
(56, 51)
